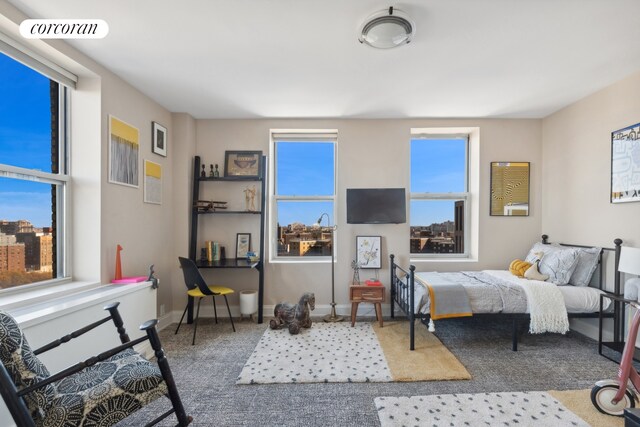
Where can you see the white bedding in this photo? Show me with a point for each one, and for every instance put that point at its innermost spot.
(576, 299)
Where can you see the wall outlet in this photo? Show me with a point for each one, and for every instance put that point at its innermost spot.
(161, 309)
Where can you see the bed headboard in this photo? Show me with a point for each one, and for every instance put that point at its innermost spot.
(604, 260)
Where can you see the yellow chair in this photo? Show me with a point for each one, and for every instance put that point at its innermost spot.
(198, 288)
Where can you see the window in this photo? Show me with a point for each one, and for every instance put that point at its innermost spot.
(439, 201)
(33, 175)
(303, 186)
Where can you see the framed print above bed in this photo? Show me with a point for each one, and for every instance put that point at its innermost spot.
(368, 251)
(625, 164)
(509, 189)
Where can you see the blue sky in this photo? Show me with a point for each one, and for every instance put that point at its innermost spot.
(306, 168)
(25, 134)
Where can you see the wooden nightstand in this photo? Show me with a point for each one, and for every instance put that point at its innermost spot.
(363, 293)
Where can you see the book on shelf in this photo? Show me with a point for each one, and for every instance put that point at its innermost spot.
(216, 251)
(373, 282)
(209, 248)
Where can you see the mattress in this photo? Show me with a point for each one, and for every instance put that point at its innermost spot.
(499, 291)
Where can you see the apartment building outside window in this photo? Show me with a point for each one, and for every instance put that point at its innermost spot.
(439, 195)
(303, 185)
(33, 175)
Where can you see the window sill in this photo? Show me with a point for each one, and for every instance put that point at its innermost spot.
(301, 260)
(444, 260)
(36, 306)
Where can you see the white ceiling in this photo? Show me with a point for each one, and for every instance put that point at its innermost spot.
(301, 58)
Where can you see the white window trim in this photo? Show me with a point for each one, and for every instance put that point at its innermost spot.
(298, 135)
(471, 135)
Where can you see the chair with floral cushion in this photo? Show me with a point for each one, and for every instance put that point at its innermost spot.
(100, 391)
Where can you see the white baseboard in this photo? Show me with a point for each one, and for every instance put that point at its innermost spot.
(206, 311)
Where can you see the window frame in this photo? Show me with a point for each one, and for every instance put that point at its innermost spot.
(439, 196)
(299, 136)
(62, 181)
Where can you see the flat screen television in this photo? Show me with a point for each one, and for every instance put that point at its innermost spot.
(376, 206)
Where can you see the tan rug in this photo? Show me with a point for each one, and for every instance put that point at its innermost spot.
(430, 361)
(579, 402)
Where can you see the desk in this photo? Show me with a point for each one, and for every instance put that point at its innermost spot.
(363, 293)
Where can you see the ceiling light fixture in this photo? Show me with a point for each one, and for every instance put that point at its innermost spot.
(387, 28)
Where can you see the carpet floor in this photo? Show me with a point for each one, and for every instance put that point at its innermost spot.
(206, 375)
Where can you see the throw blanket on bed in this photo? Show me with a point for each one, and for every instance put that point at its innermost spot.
(546, 308)
(448, 299)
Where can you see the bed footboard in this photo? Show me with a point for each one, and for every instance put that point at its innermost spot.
(402, 294)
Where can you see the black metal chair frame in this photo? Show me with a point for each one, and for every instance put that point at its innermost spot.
(14, 397)
(193, 279)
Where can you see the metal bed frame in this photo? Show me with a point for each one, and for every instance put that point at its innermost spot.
(402, 293)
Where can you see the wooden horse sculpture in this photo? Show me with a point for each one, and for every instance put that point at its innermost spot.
(296, 316)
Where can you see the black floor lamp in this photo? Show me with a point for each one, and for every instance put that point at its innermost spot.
(332, 317)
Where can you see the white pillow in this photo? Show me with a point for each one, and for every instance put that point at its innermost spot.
(587, 264)
(558, 262)
(559, 265)
(539, 247)
(631, 288)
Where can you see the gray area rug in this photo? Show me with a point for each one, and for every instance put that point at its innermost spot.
(324, 353)
(492, 409)
(206, 374)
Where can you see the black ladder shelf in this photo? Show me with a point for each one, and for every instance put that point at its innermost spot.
(229, 262)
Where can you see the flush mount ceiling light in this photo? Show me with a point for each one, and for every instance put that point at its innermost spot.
(387, 28)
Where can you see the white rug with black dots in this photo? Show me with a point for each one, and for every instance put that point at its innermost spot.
(520, 409)
(327, 352)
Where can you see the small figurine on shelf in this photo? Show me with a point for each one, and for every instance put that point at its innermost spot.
(211, 174)
(250, 198)
(216, 173)
(203, 174)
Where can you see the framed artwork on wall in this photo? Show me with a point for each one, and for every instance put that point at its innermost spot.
(124, 151)
(152, 182)
(509, 189)
(243, 244)
(244, 164)
(625, 164)
(368, 251)
(159, 145)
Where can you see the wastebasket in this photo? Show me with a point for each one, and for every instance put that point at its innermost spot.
(248, 303)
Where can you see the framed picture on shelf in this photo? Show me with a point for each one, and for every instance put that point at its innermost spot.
(159, 139)
(243, 244)
(368, 251)
(244, 164)
(625, 164)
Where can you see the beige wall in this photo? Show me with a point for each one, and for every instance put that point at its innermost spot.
(106, 214)
(371, 153)
(576, 178)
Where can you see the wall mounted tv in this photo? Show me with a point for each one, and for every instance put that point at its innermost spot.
(376, 206)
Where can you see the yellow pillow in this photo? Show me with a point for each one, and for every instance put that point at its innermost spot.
(518, 267)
